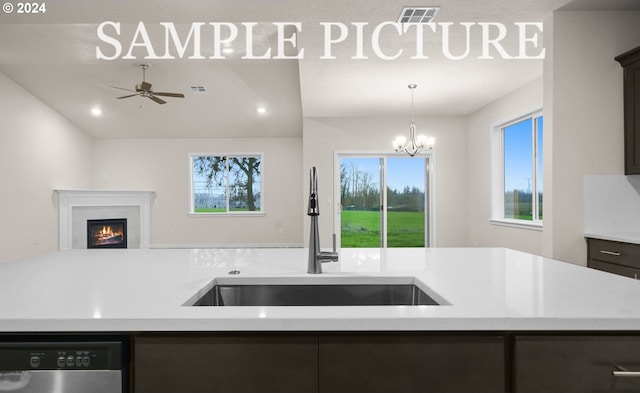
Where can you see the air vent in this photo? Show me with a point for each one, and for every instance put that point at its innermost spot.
(418, 14)
(198, 90)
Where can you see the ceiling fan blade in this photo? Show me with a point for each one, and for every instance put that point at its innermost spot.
(144, 89)
(130, 95)
(156, 99)
(177, 95)
(120, 88)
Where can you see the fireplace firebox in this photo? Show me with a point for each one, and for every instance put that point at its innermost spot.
(110, 233)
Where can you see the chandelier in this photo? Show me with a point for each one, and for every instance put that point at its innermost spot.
(415, 144)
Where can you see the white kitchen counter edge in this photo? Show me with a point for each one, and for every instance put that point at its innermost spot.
(624, 237)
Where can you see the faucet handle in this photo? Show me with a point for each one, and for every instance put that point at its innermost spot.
(313, 208)
(313, 180)
(327, 256)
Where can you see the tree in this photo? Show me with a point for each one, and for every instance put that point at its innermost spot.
(244, 170)
(358, 188)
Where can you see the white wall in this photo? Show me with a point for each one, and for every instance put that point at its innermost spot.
(587, 107)
(39, 152)
(547, 186)
(162, 166)
(481, 126)
(612, 205)
(324, 136)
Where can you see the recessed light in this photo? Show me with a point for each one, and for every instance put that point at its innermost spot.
(261, 110)
(418, 14)
(228, 51)
(96, 111)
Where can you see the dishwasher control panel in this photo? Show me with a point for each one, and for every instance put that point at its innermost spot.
(60, 355)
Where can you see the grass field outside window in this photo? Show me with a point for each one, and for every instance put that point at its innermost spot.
(405, 229)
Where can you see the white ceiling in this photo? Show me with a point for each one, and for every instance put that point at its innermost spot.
(53, 55)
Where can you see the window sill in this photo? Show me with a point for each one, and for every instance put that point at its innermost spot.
(521, 224)
(256, 214)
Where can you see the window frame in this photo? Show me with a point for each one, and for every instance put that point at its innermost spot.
(228, 212)
(497, 214)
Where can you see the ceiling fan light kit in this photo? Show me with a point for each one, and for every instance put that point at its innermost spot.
(144, 89)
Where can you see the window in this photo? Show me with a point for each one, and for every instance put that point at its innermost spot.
(521, 196)
(223, 184)
(384, 200)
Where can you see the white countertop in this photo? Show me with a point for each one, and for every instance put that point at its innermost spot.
(490, 289)
(625, 237)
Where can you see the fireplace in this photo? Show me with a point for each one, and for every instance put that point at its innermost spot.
(111, 233)
(75, 207)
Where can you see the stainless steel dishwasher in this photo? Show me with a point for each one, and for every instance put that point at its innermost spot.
(62, 367)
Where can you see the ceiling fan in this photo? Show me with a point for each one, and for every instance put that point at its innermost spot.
(143, 89)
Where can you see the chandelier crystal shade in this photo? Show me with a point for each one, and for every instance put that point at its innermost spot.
(415, 144)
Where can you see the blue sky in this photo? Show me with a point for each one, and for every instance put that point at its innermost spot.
(518, 155)
(401, 171)
(405, 171)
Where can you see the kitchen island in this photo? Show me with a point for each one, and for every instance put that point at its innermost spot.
(507, 321)
(146, 290)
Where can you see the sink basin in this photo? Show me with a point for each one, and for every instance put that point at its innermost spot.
(380, 291)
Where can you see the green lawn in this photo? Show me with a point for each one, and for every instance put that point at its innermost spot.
(209, 210)
(220, 210)
(362, 229)
(521, 217)
(527, 217)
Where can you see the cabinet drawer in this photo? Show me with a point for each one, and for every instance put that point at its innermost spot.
(576, 364)
(615, 269)
(626, 254)
(408, 363)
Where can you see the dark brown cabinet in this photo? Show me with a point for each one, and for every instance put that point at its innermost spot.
(406, 363)
(242, 363)
(630, 61)
(319, 362)
(614, 257)
(399, 362)
(576, 364)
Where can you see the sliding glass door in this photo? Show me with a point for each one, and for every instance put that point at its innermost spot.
(360, 201)
(383, 201)
(405, 202)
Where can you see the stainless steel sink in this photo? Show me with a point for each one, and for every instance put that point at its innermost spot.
(301, 292)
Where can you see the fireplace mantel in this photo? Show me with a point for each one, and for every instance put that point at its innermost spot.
(70, 199)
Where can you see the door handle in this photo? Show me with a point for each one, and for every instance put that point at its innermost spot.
(623, 372)
(626, 374)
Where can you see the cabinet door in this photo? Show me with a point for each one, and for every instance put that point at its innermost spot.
(405, 363)
(580, 364)
(632, 118)
(225, 363)
(631, 63)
